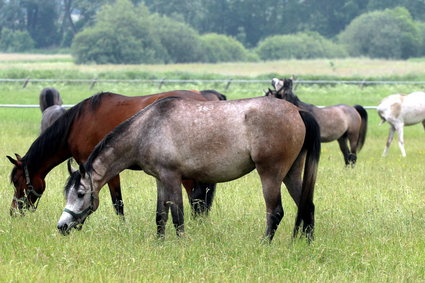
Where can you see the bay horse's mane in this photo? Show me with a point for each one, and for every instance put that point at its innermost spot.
(56, 136)
(164, 105)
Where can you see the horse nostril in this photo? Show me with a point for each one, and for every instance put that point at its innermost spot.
(63, 229)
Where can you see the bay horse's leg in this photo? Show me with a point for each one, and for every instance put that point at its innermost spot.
(271, 181)
(114, 185)
(200, 196)
(342, 141)
(389, 140)
(399, 129)
(169, 197)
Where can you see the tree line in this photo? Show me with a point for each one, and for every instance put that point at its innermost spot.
(177, 31)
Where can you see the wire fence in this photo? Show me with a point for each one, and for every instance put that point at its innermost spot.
(226, 84)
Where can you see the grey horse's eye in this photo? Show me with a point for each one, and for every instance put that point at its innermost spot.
(80, 194)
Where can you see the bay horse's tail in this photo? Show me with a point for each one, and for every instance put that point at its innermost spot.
(363, 127)
(312, 147)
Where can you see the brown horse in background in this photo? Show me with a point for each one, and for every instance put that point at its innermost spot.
(344, 123)
(77, 132)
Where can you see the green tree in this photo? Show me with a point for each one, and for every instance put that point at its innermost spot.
(391, 33)
(41, 17)
(180, 40)
(15, 41)
(222, 48)
(298, 46)
(122, 34)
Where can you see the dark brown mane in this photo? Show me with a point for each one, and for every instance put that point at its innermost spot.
(55, 137)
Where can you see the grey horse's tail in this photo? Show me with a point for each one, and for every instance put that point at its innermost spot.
(49, 97)
(363, 127)
(312, 147)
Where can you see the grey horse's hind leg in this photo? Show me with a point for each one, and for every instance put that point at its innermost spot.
(293, 180)
(169, 198)
(271, 182)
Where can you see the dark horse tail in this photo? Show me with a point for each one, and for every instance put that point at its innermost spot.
(363, 127)
(312, 147)
(49, 97)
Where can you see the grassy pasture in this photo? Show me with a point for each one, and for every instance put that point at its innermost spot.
(370, 223)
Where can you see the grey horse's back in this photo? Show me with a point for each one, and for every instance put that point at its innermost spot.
(50, 115)
(49, 97)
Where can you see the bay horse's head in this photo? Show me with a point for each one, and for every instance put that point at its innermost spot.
(81, 199)
(28, 189)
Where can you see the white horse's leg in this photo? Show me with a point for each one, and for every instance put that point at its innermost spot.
(399, 129)
(389, 140)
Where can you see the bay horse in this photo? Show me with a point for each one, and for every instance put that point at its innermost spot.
(50, 106)
(340, 122)
(77, 132)
(399, 111)
(209, 141)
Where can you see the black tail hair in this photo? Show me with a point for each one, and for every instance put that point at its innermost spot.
(312, 147)
(363, 127)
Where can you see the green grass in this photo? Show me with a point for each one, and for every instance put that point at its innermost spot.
(370, 224)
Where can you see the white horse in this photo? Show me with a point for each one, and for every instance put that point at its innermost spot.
(399, 111)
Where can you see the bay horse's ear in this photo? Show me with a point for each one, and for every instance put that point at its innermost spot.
(13, 161)
(16, 162)
(71, 169)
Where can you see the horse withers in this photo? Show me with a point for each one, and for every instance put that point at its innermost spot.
(344, 123)
(50, 106)
(77, 132)
(399, 111)
(212, 142)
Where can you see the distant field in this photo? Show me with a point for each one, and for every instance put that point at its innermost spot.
(353, 67)
(370, 224)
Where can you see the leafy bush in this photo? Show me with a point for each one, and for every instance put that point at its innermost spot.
(391, 33)
(15, 41)
(181, 41)
(122, 34)
(298, 46)
(222, 48)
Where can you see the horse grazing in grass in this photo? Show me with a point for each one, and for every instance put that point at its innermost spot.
(77, 132)
(212, 142)
(50, 106)
(339, 122)
(399, 111)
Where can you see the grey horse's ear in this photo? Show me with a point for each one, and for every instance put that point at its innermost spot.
(71, 169)
(82, 169)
